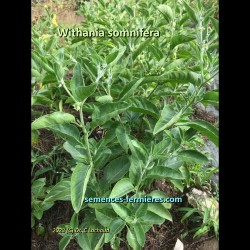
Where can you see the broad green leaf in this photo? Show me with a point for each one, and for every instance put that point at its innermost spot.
(179, 39)
(121, 188)
(67, 132)
(104, 99)
(61, 191)
(84, 92)
(140, 209)
(193, 156)
(173, 162)
(74, 222)
(101, 158)
(174, 64)
(77, 79)
(142, 105)
(105, 216)
(129, 89)
(77, 153)
(79, 181)
(141, 47)
(63, 243)
(89, 68)
(121, 210)
(211, 97)
(191, 12)
(166, 11)
(132, 239)
(161, 172)
(107, 111)
(140, 234)
(168, 118)
(83, 241)
(159, 210)
(38, 185)
(59, 71)
(135, 170)
(138, 150)
(116, 227)
(205, 128)
(115, 170)
(151, 218)
(49, 120)
(121, 135)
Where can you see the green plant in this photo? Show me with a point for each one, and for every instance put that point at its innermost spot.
(128, 123)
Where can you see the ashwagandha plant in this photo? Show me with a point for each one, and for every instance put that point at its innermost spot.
(132, 98)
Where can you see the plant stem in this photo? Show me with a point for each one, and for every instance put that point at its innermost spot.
(86, 140)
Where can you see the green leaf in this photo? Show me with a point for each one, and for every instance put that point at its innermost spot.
(67, 132)
(83, 241)
(101, 157)
(77, 79)
(141, 47)
(159, 210)
(138, 150)
(132, 239)
(122, 137)
(140, 209)
(105, 216)
(115, 170)
(211, 97)
(84, 92)
(142, 105)
(61, 191)
(173, 162)
(186, 173)
(190, 212)
(161, 172)
(183, 76)
(215, 23)
(114, 57)
(41, 62)
(79, 181)
(104, 99)
(129, 10)
(107, 111)
(140, 234)
(166, 11)
(38, 185)
(129, 89)
(121, 210)
(51, 43)
(121, 188)
(116, 227)
(151, 218)
(160, 194)
(49, 120)
(155, 52)
(74, 222)
(135, 170)
(63, 243)
(191, 12)
(178, 184)
(168, 118)
(77, 153)
(179, 39)
(205, 128)
(193, 156)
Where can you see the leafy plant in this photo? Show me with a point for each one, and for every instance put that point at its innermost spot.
(127, 122)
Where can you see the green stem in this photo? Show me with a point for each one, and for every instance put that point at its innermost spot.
(86, 140)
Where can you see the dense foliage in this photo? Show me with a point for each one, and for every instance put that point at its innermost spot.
(120, 107)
